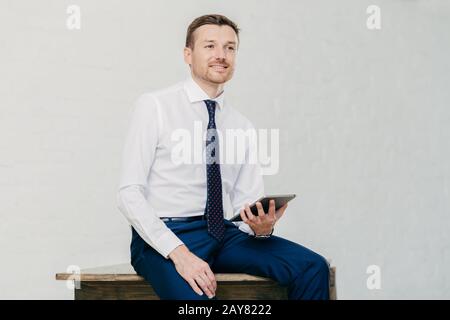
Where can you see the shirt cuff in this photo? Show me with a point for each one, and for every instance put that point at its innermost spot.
(167, 242)
(244, 227)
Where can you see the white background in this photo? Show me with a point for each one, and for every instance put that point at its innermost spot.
(363, 117)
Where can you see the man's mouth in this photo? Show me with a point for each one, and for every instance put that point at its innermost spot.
(218, 67)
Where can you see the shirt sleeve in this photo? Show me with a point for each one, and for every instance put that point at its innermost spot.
(137, 158)
(249, 186)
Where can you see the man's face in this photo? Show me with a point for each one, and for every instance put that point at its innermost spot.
(213, 56)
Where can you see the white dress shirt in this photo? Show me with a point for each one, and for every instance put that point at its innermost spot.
(153, 185)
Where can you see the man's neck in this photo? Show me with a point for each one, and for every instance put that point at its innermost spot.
(212, 90)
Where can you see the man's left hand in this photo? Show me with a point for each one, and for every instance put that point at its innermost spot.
(263, 223)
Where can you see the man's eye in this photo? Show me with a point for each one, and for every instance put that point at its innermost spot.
(209, 46)
(231, 48)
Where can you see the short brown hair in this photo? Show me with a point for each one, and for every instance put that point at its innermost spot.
(216, 19)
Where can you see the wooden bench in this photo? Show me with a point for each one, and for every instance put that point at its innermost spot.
(120, 282)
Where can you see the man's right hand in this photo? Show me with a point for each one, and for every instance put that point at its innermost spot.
(194, 270)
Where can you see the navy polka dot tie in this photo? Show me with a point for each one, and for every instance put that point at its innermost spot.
(214, 204)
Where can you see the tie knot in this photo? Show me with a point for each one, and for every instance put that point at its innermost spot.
(211, 106)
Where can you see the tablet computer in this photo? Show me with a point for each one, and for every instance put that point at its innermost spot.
(280, 200)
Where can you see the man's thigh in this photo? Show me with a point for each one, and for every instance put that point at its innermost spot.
(164, 278)
(160, 272)
(277, 258)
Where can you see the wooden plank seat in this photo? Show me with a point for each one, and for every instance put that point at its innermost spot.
(120, 282)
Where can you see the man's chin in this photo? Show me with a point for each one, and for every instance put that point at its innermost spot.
(217, 78)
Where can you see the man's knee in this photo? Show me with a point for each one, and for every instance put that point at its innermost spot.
(320, 265)
(162, 276)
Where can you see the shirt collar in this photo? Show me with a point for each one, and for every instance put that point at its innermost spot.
(195, 93)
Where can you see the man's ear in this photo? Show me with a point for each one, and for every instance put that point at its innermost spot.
(187, 52)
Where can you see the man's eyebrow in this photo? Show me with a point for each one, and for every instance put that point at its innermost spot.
(228, 42)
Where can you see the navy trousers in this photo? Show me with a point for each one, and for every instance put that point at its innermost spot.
(304, 272)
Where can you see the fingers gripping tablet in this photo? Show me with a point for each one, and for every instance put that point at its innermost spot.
(280, 200)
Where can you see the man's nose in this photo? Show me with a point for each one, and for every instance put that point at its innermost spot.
(219, 53)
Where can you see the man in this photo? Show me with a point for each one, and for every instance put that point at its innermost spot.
(180, 237)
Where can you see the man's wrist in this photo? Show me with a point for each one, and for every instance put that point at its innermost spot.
(263, 236)
(176, 253)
